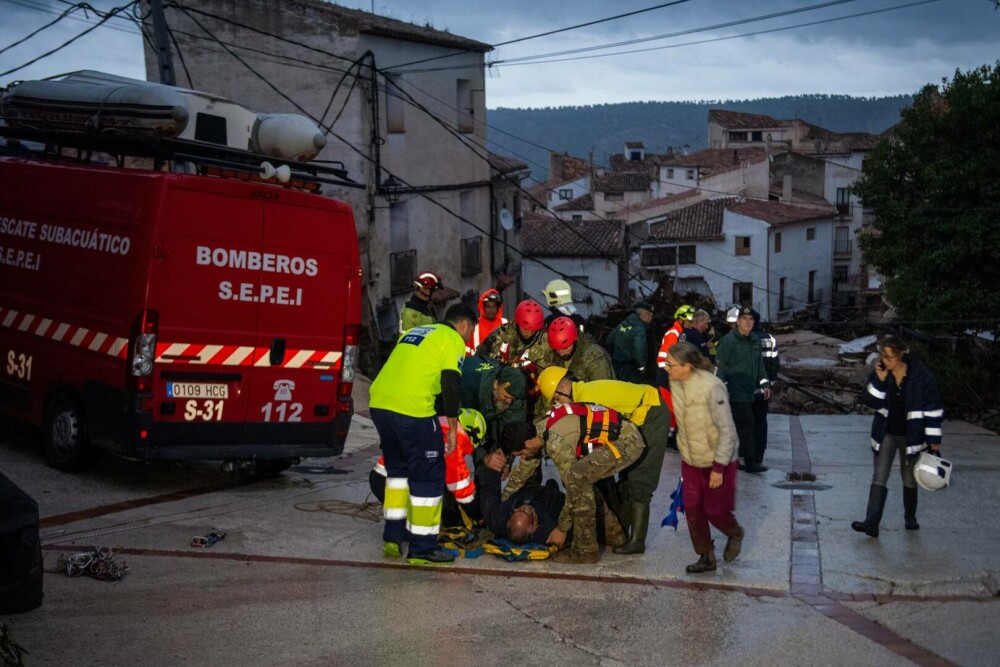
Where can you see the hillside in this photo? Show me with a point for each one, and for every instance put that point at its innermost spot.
(529, 134)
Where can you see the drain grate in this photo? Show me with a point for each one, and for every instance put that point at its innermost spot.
(801, 481)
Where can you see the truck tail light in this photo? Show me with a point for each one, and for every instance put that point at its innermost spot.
(347, 366)
(142, 351)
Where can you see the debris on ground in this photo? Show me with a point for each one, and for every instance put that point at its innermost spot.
(97, 563)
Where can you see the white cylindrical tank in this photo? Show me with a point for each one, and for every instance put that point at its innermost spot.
(287, 136)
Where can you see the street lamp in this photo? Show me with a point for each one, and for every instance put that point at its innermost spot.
(391, 187)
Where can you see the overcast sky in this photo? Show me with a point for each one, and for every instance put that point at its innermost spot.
(875, 54)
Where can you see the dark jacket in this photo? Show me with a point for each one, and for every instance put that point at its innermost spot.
(741, 366)
(547, 501)
(628, 348)
(924, 412)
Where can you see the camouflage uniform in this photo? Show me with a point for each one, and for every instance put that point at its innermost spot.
(589, 362)
(579, 476)
(518, 352)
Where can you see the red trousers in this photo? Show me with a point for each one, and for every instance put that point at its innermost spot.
(704, 506)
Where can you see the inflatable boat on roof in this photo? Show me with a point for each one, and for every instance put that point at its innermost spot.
(89, 102)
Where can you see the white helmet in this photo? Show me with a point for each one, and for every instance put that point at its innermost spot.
(733, 314)
(932, 472)
(558, 293)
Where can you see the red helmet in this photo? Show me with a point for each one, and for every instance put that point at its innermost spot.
(562, 333)
(427, 280)
(529, 315)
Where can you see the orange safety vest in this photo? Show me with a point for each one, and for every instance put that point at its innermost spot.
(599, 426)
(670, 338)
(457, 476)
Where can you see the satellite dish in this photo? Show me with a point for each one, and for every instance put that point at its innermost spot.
(506, 219)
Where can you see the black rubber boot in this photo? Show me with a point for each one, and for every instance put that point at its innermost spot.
(910, 508)
(640, 526)
(876, 503)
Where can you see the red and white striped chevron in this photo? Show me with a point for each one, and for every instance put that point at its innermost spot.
(166, 353)
(63, 332)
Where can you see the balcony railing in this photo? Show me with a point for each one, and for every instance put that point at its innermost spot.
(844, 247)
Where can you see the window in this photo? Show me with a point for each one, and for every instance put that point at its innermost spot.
(757, 135)
(777, 242)
(401, 271)
(781, 294)
(463, 104)
(565, 193)
(689, 174)
(839, 275)
(742, 246)
(842, 240)
(666, 256)
(843, 201)
(472, 256)
(634, 155)
(812, 287)
(614, 196)
(737, 136)
(577, 216)
(394, 104)
(670, 173)
(742, 293)
(811, 234)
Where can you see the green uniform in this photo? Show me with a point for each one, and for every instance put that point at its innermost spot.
(478, 376)
(628, 348)
(740, 363)
(640, 404)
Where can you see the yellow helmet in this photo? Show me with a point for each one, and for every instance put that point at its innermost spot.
(548, 380)
(473, 424)
(558, 293)
(685, 313)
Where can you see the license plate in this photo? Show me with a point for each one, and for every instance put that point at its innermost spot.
(197, 390)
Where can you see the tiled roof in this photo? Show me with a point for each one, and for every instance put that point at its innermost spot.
(777, 213)
(581, 203)
(546, 236)
(504, 164)
(353, 20)
(860, 141)
(618, 162)
(798, 196)
(716, 160)
(622, 181)
(661, 201)
(634, 144)
(737, 120)
(698, 222)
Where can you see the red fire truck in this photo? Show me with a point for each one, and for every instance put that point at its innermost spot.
(175, 316)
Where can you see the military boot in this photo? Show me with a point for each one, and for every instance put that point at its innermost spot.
(910, 508)
(584, 546)
(873, 517)
(640, 526)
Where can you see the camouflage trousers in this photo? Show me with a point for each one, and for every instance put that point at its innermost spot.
(580, 482)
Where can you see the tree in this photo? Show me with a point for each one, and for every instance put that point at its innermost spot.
(934, 187)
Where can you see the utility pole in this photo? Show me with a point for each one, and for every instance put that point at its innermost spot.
(162, 43)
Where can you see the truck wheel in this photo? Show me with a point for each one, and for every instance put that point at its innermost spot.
(63, 440)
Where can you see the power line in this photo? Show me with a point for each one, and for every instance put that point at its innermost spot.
(538, 61)
(107, 16)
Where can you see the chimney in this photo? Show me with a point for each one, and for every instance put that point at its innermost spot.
(786, 188)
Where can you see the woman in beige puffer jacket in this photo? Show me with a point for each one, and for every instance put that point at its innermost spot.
(706, 440)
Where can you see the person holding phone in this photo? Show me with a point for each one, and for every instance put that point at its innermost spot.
(908, 417)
